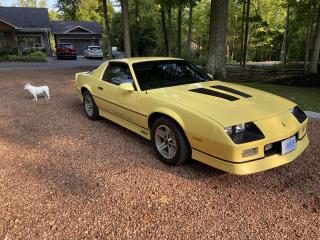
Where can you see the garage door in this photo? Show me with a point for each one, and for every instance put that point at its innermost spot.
(80, 44)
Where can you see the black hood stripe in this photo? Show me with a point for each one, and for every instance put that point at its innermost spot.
(214, 93)
(231, 90)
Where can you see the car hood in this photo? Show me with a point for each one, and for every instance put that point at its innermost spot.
(228, 104)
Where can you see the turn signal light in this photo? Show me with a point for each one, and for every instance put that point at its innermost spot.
(249, 152)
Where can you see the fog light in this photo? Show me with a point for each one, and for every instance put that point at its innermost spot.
(268, 147)
(249, 152)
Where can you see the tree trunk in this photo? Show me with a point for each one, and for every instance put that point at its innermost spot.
(189, 47)
(284, 49)
(246, 42)
(179, 31)
(169, 32)
(137, 32)
(242, 30)
(125, 22)
(164, 30)
(308, 37)
(108, 28)
(316, 48)
(137, 12)
(217, 38)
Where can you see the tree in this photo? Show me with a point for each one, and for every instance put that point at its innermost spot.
(42, 4)
(179, 22)
(217, 38)
(164, 30)
(126, 31)
(285, 43)
(189, 33)
(68, 9)
(107, 27)
(316, 48)
(27, 3)
(246, 31)
(137, 27)
(53, 15)
(242, 30)
(308, 36)
(166, 19)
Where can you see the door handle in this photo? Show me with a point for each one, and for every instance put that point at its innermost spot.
(100, 88)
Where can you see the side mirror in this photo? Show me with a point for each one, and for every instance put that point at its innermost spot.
(128, 87)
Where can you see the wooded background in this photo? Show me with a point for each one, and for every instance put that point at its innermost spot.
(207, 32)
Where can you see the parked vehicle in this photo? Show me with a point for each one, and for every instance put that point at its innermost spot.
(93, 52)
(66, 50)
(117, 54)
(185, 113)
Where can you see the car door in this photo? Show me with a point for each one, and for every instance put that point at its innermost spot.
(121, 103)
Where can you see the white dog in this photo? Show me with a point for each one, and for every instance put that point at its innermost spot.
(36, 91)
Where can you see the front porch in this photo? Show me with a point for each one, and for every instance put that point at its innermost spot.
(22, 41)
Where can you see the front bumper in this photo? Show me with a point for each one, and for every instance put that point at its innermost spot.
(253, 166)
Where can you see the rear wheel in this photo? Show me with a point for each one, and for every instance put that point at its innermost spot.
(90, 106)
(169, 142)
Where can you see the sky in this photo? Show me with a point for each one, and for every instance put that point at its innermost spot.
(9, 3)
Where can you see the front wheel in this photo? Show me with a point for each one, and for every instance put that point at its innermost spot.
(90, 106)
(169, 142)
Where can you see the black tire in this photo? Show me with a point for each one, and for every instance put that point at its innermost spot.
(183, 150)
(94, 114)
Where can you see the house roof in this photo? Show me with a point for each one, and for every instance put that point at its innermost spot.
(64, 27)
(21, 17)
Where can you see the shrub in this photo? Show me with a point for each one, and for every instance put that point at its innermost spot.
(38, 54)
(13, 58)
(33, 57)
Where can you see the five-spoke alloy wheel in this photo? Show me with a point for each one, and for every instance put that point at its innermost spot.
(90, 106)
(169, 142)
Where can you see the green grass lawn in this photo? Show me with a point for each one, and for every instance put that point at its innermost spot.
(307, 98)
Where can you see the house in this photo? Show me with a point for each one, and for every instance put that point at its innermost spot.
(24, 30)
(79, 33)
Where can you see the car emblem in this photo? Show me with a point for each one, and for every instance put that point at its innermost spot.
(283, 124)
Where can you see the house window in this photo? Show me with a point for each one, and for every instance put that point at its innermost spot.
(32, 42)
(2, 40)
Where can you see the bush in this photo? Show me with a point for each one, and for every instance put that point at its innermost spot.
(38, 54)
(33, 57)
(8, 51)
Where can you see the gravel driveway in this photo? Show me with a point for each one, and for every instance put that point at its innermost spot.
(65, 177)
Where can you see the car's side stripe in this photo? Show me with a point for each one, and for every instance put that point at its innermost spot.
(124, 119)
(214, 94)
(231, 90)
(119, 106)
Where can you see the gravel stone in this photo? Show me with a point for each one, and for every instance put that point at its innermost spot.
(63, 176)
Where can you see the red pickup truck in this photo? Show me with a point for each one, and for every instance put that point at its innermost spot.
(66, 50)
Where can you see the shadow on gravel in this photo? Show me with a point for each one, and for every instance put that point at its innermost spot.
(62, 180)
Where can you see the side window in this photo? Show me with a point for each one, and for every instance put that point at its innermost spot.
(117, 73)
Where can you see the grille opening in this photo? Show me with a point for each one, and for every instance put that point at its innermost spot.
(276, 148)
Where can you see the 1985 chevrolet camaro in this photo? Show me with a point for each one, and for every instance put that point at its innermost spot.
(186, 114)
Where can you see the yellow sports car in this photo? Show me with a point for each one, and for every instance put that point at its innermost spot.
(186, 114)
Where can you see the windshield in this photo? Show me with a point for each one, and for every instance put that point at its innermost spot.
(167, 73)
(66, 46)
(95, 48)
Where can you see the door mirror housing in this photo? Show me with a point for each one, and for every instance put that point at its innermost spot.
(128, 87)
